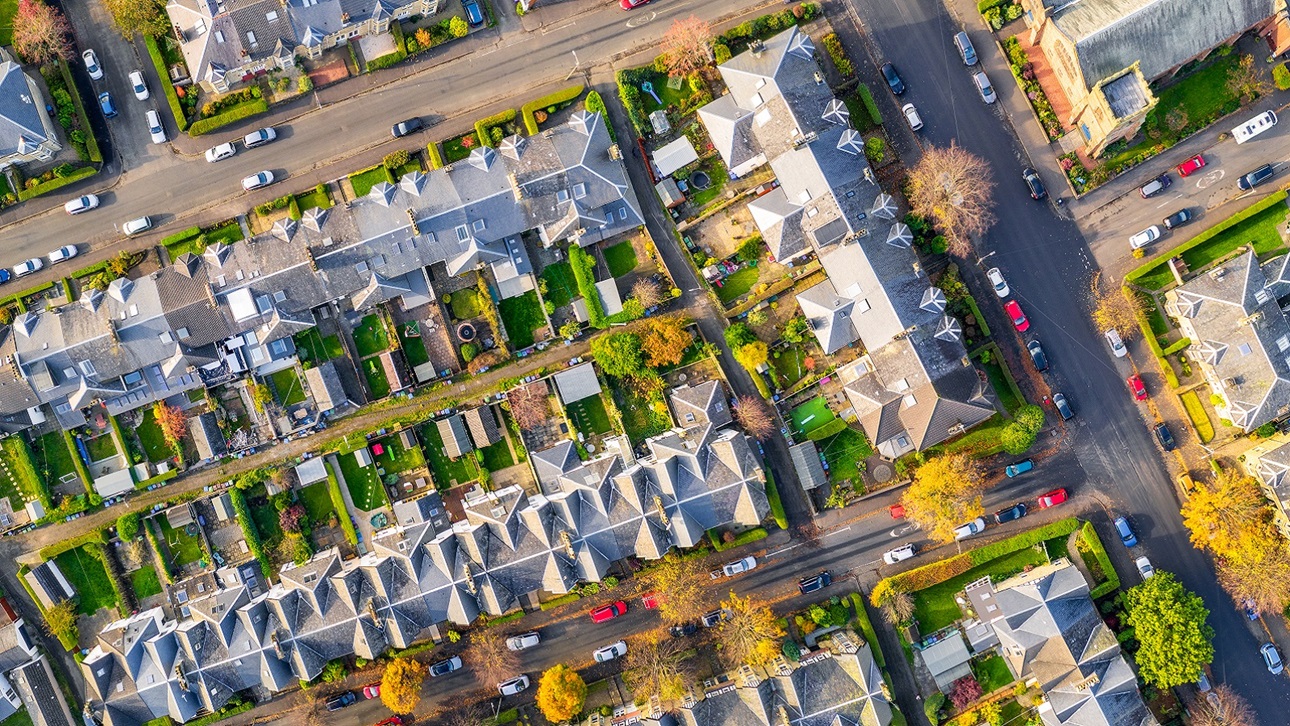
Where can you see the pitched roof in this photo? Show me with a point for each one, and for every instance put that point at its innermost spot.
(456, 438)
(325, 386)
(207, 437)
(22, 123)
(806, 460)
(577, 383)
(483, 426)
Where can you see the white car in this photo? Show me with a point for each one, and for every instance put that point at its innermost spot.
(257, 181)
(92, 64)
(220, 153)
(139, 86)
(81, 204)
(610, 652)
(974, 527)
(259, 137)
(29, 266)
(62, 254)
(903, 552)
(155, 129)
(1145, 237)
(136, 226)
(523, 641)
(513, 686)
(1144, 567)
(1117, 345)
(911, 116)
(739, 567)
(996, 280)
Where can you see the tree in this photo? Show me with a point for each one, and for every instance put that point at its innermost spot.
(260, 394)
(1247, 81)
(1115, 309)
(647, 292)
(485, 360)
(127, 526)
(619, 354)
(656, 665)
(143, 17)
(457, 27)
(795, 330)
(757, 317)
(1020, 433)
(1222, 707)
(561, 693)
(897, 607)
(423, 38)
(530, 404)
(687, 46)
(750, 635)
(1230, 518)
(171, 421)
(754, 417)
(489, 657)
(738, 335)
(40, 33)
(60, 620)
(680, 584)
(1169, 624)
(401, 684)
(459, 714)
(1257, 577)
(665, 341)
(953, 187)
(570, 329)
(945, 493)
(752, 355)
(964, 691)
(292, 518)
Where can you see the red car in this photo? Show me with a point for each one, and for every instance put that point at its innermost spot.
(1018, 317)
(631, 4)
(372, 690)
(1184, 169)
(391, 721)
(1052, 499)
(608, 612)
(1135, 386)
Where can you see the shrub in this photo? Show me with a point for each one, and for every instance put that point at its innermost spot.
(457, 27)
(838, 54)
(1281, 76)
(35, 188)
(932, 707)
(433, 155)
(484, 125)
(396, 159)
(558, 98)
(159, 62)
(305, 84)
(875, 149)
(792, 651)
(871, 106)
(595, 104)
(237, 113)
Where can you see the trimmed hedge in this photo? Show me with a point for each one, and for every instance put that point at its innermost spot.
(1088, 536)
(484, 125)
(57, 182)
(752, 535)
(838, 54)
(489, 622)
(434, 156)
(182, 236)
(866, 629)
(155, 543)
(239, 112)
(553, 99)
(924, 577)
(177, 109)
(91, 141)
(870, 105)
(95, 536)
(1178, 347)
(776, 506)
(595, 104)
(562, 600)
(124, 595)
(584, 274)
(249, 530)
(81, 470)
(1144, 325)
(342, 511)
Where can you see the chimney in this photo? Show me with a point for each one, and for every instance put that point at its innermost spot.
(757, 47)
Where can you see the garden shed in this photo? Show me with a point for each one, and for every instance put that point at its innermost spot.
(311, 471)
(577, 383)
(674, 156)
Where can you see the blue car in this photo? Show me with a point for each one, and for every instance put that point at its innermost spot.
(473, 13)
(4, 275)
(105, 103)
(1021, 467)
(1126, 532)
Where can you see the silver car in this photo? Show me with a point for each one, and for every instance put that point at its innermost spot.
(1145, 237)
(975, 527)
(220, 152)
(259, 137)
(610, 652)
(258, 181)
(81, 204)
(136, 226)
(997, 282)
(523, 641)
(92, 65)
(155, 129)
(513, 686)
(911, 116)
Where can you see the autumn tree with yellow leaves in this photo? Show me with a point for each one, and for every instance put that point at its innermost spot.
(750, 633)
(946, 492)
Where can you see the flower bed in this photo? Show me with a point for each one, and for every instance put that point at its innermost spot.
(1024, 73)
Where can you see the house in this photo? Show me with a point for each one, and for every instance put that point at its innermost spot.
(1240, 336)
(27, 133)
(1104, 54)
(455, 435)
(40, 693)
(577, 383)
(514, 271)
(207, 437)
(1269, 462)
(17, 647)
(700, 405)
(482, 424)
(326, 388)
(323, 24)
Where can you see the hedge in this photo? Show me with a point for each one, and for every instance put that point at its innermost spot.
(177, 109)
(342, 511)
(210, 718)
(1144, 325)
(81, 470)
(838, 54)
(57, 182)
(562, 600)
(1088, 536)
(182, 236)
(584, 274)
(156, 550)
(484, 125)
(776, 506)
(95, 536)
(489, 622)
(124, 595)
(164, 476)
(829, 429)
(391, 59)
(924, 577)
(510, 715)
(866, 97)
(435, 158)
(552, 99)
(866, 629)
(985, 5)
(25, 468)
(1178, 347)
(752, 535)
(595, 104)
(91, 141)
(254, 107)
(249, 530)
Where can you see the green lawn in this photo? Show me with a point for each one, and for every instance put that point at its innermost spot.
(365, 486)
(668, 96)
(377, 384)
(52, 456)
(561, 288)
(844, 451)
(641, 419)
(317, 501)
(13, 484)
(414, 164)
(8, 8)
(496, 456)
(1003, 388)
(445, 472)
(811, 415)
(154, 442)
(466, 304)
(788, 363)
(590, 417)
(311, 345)
(226, 232)
(521, 315)
(935, 606)
(19, 718)
(265, 517)
(363, 181)
(455, 150)
(395, 459)
(287, 386)
(716, 171)
(992, 673)
(101, 447)
(621, 259)
(1258, 229)
(313, 198)
(414, 348)
(145, 582)
(184, 548)
(737, 285)
(370, 336)
(85, 573)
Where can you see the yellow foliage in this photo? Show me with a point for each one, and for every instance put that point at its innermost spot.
(945, 493)
(561, 693)
(401, 685)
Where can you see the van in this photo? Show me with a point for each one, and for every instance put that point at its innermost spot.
(964, 44)
(984, 88)
(899, 554)
(1254, 127)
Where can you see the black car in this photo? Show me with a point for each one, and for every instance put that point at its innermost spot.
(1166, 438)
(896, 85)
(1037, 355)
(403, 128)
(815, 582)
(336, 703)
(1035, 184)
(1177, 219)
(1256, 177)
(683, 630)
(444, 667)
(1016, 511)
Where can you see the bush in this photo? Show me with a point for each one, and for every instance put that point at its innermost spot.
(237, 113)
(752, 535)
(838, 54)
(38, 188)
(562, 600)
(792, 651)
(932, 707)
(776, 506)
(595, 104)
(866, 98)
(875, 149)
(396, 159)
(249, 531)
(457, 27)
(558, 98)
(629, 92)
(433, 156)
(484, 125)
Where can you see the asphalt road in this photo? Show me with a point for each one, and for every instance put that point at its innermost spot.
(1046, 260)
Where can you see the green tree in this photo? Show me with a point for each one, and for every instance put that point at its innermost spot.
(795, 330)
(1169, 624)
(457, 27)
(738, 335)
(127, 526)
(619, 354)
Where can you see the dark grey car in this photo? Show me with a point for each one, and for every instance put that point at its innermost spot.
(1178, 219)
(1256, 177)
(1037, 355)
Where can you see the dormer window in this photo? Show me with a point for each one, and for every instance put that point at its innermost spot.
(463, 233)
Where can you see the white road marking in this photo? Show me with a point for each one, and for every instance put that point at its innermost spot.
(837, 531)
(780, 552)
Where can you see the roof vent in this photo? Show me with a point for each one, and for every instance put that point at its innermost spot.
(757, 47)
(1218, 272)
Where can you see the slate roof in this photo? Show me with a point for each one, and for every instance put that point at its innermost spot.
(701, 405)
(22, 116)
(482, 424)
(325, 386)
(730, 130)
(207, 437)
(37, 687)
(456, 438)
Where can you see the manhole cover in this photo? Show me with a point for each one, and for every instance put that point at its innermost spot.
(881, 473)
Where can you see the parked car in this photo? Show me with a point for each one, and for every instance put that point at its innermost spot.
(911, 117)
(999, 284)
(81, 204)
(4, 276)
(609, 652)
(1019, 468)
(523, 641)
(474, 15)
(155, 129)
(1136, 387)
(137, 226)
(258, 181)
(1052, 499)
(712, 618)
(983, 87)
(738, 567)
(92, 64)
(1013, 308)
(683, 630)
(1034, 183)
(1177, 219)
(1144, 567)
(631, 4)
(106, 105)
(259, 137)
(138, 85)
(1165, 438)
(899, 554)
(409, 126)
(814, 583)
(63, 254)
(513, 686)
(608, 612)
(1187, 168)
(897, 511)
(372, 690)
(444, 667)
(1125, 530)
(336, 703)
(966, 51)
(894, 82)
(1155, 186)
(975, 527)
(1037, 355)
(391, 721)
(1256, 177)
(1144, 238)
(1272, 658)
(1063, 406)
(1016, 511)
(26, 267)
(1117, 345)
(220, 152)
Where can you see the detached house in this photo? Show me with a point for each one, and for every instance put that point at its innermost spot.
(27, 133)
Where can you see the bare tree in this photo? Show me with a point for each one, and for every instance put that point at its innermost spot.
(490, 659)
(680, 583)
(40, 33)
(954, 188)
(529, 405)
(687, 46)
(1247, 81)
(1222, 707)
(753, 417)
(898, 608)
(656, 666)
(647, 292)
(1258, 581)
(459, 715)
(1115, 309)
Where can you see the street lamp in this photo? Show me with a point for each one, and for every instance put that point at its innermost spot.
(986, 256)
